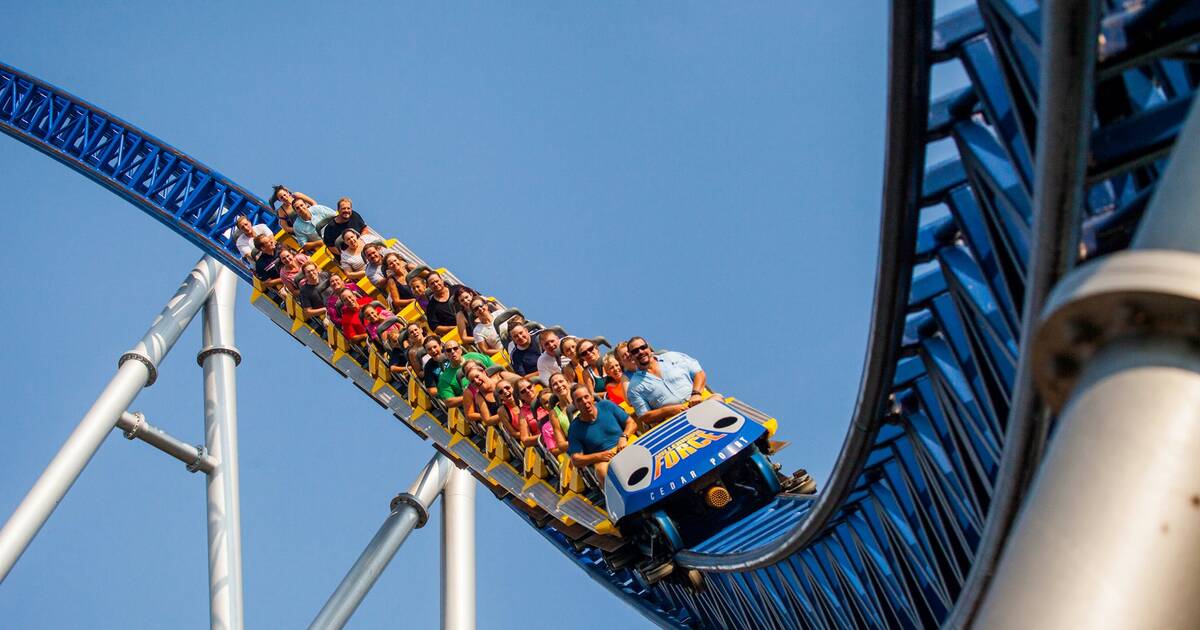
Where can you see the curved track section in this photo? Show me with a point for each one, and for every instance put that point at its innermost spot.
(928, 477)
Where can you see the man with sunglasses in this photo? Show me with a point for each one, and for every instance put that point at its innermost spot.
(450, 382)
(663, 385)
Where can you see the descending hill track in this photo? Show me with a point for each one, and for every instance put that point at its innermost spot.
(947, 432)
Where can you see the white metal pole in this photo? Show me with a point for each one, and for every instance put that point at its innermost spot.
(138, 368)
(409, 511)
(1109, 536)
(458, 552)
(219, 357)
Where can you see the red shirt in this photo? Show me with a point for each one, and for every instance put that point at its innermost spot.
(352, 324)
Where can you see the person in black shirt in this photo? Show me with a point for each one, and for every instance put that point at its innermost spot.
(434, 365)
(266, 268)
(314, 289)
(346, 219)
(440, 312)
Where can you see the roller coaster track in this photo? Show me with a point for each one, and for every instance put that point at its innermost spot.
(946, 434)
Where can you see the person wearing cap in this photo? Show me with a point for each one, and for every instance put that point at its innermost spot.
(307, 220)
(663, 385)
(345, 219)
(450, 383)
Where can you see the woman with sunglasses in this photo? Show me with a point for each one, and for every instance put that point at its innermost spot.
(588, 354)
(527, 425)
(464, 317)
(484, 333)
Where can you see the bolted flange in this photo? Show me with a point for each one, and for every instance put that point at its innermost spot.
(1129, 293)
(405, 498)
(142, 358)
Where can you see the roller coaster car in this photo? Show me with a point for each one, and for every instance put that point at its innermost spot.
(685, 479)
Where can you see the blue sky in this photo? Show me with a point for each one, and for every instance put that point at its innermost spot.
(705, 175)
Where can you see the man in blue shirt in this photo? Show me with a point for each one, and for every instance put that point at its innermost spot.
(663, 385)
(598, 432)
(308, 221)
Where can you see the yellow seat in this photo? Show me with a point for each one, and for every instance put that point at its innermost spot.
(494, 446)
(451, 336)
(457, 422)
(412, 312)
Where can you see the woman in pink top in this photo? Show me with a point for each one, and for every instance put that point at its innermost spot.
(529, 429)
(291, 266)
(545, 403)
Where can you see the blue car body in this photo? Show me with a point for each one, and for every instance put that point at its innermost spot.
(674, 454)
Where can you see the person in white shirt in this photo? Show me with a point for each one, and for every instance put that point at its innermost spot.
(245, 237)
(547, 363)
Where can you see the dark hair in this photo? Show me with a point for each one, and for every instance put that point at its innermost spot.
(275, 194)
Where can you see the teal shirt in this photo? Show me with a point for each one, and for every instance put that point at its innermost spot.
(601, 434)
(305, 231)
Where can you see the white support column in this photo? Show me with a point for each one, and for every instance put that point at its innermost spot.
(458, 552)
(409, 512)
(1109, 536)
(138, 368)
(219, 358)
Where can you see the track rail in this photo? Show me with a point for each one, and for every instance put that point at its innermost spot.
(907, 524)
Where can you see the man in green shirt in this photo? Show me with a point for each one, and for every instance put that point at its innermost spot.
(450, 385)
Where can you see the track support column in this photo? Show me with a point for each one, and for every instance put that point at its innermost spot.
(1110, 533)
(219, 357)
(138, 368)
(458, 552)
(410, 510)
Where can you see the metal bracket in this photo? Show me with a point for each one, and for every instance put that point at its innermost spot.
(201, 453)
(132, 432)
(211, 350)
(405, 498)
(1129, 293)
(144, 360)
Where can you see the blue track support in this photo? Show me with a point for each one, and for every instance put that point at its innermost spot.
(188, 197)
(893, 540)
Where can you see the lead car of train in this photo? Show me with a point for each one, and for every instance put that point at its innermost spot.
(685, 479)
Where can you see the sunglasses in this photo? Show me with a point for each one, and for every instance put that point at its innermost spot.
(638, 349)
(453, 348)
(476, 307)
(586, 349)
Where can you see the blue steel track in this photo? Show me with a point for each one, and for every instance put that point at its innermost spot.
(900, 536)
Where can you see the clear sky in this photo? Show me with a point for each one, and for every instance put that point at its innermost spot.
(706, 175)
